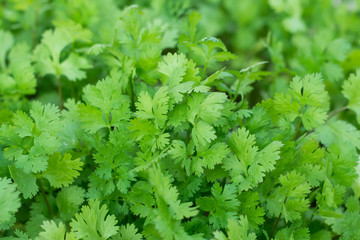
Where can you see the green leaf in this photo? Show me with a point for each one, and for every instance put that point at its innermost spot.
(128, 232)
(73, 67)
(46, 117)
(169, 194)
(91, 118)
(48, 55)
(223, 56)
(19, 78)
(350, 91)
(105, 95)
(26, 182)
(9, 201)
(173, 67)
(55, 232)
(208, 109)
(236, 230)
(309, 90)
(213, 43)
(290, 198)
(62, 170)
(307, 99)
(7, 41)
(338, 132)
(93, 222)
(209, 157)
(313, 117)
(338, 49)
(249, 165)
(222, 205)
(68, 200)
(153, 108)
(203, 133)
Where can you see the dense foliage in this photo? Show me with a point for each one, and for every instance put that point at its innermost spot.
(214, 119)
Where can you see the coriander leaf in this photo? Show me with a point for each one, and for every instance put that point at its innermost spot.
(173, 68)
(290, 198)
(92, 222)
(338, 132)
(26, 182)
(105, 95)
(48, 54)
(169, 194)
(62, 170)
(309, 90)
(128, 232)
(54, 231)
(203, 133)
(46, 117)
(306, 99)
(222, 205)
(250, 207)
(91, 118)
(105, 106)
(208, 108)
(249, 165)
(9, 201)
(236, 230)
(209, 157)
(153, 108)
(338, 49)
(7, 41)
(350, 91)
(73, 65)
(68, 200)
(313, 117)
(18, 78)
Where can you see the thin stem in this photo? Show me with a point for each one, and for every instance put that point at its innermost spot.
(271, 187)
(205, 66)
(297, 129)
(335, 112)
(204, 70)
(312, 215)
(299, 122)
(45, 199)
(275, 226)
(237, 90)
(277, 221)
(61, 101)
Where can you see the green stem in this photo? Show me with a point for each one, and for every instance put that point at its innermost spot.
(277, 222)
(312, 215)
(335, 112)
(299, 122)
(45, 199)
(61, 101)
(297, 129)
(271, 187)
(204, 70)
(237, 91)
(275, 226)
(205, 65)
